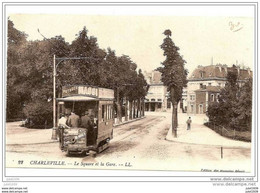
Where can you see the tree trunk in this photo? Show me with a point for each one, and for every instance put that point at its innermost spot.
(174, 113)
(137, 109)
(119, 112)
(143, 107)
(176, 116)
(126, 109)
(121, 107)
(134, 109)
(130, 110)
(140, 107)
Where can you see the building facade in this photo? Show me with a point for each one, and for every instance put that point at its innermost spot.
(157, 96)
(205, 83)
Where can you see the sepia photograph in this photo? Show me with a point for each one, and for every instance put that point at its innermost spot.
(106, 88)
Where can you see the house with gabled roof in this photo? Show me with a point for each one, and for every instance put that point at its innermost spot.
(205, 83)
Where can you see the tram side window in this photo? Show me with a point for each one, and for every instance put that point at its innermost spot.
(107, 112)
(111, 111)
(103, 112)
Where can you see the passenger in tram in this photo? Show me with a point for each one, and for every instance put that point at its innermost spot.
(73, 120)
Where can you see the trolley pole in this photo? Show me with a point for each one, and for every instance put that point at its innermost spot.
(55, 66)
(54, 133)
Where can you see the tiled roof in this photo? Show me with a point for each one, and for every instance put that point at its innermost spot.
(209, 89)
(218, 71)
(153, 77)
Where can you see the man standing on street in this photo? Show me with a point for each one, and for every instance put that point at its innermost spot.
(188, 123)
(73, 120)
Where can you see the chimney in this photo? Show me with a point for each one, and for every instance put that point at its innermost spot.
(225, 67)
(219, 67)
(249, 71)
(238, 70)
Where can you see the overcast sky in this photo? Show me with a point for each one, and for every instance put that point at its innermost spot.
(226, 39)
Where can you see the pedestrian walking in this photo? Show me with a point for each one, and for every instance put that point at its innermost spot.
(188, 123)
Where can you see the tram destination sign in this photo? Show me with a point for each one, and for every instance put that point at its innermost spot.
(86, 90)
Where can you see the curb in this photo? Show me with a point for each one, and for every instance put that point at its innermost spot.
(14, 144)
(126, 122)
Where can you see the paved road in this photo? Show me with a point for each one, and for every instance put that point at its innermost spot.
(137, 145)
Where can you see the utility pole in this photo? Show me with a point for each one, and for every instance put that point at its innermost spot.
(54, 132)
(55, 66)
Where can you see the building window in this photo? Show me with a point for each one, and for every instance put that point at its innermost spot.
(217, 97)
(191, 109)
(201, 85)
(201, 109)
(209, 83)
(201, 74)
(192, 97)
(159, 105)
(212, 97)
(219, 84)
(159, 99)
(152, 99)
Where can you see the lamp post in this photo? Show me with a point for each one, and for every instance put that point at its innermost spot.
(54, 132)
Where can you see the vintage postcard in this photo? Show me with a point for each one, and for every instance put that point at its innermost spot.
(161, 89)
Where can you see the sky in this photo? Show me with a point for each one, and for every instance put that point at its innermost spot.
(226, 39)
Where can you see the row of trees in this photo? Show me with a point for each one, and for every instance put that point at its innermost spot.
(30, 73)
(234, 106)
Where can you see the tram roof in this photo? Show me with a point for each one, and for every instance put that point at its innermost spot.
(77, 98)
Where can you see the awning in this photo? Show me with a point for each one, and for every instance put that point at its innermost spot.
(77, 98)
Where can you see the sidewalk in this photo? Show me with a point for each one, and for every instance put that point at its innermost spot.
(200, 134)
(17, 135)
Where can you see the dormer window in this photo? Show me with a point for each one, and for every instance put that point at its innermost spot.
(201, 74)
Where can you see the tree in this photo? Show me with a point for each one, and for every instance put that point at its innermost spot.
(234, 109)
(90, 70)
(243, 108)
(228, 98)
(173, 75)
(36, 70)
(30, 72)
(15, 95)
